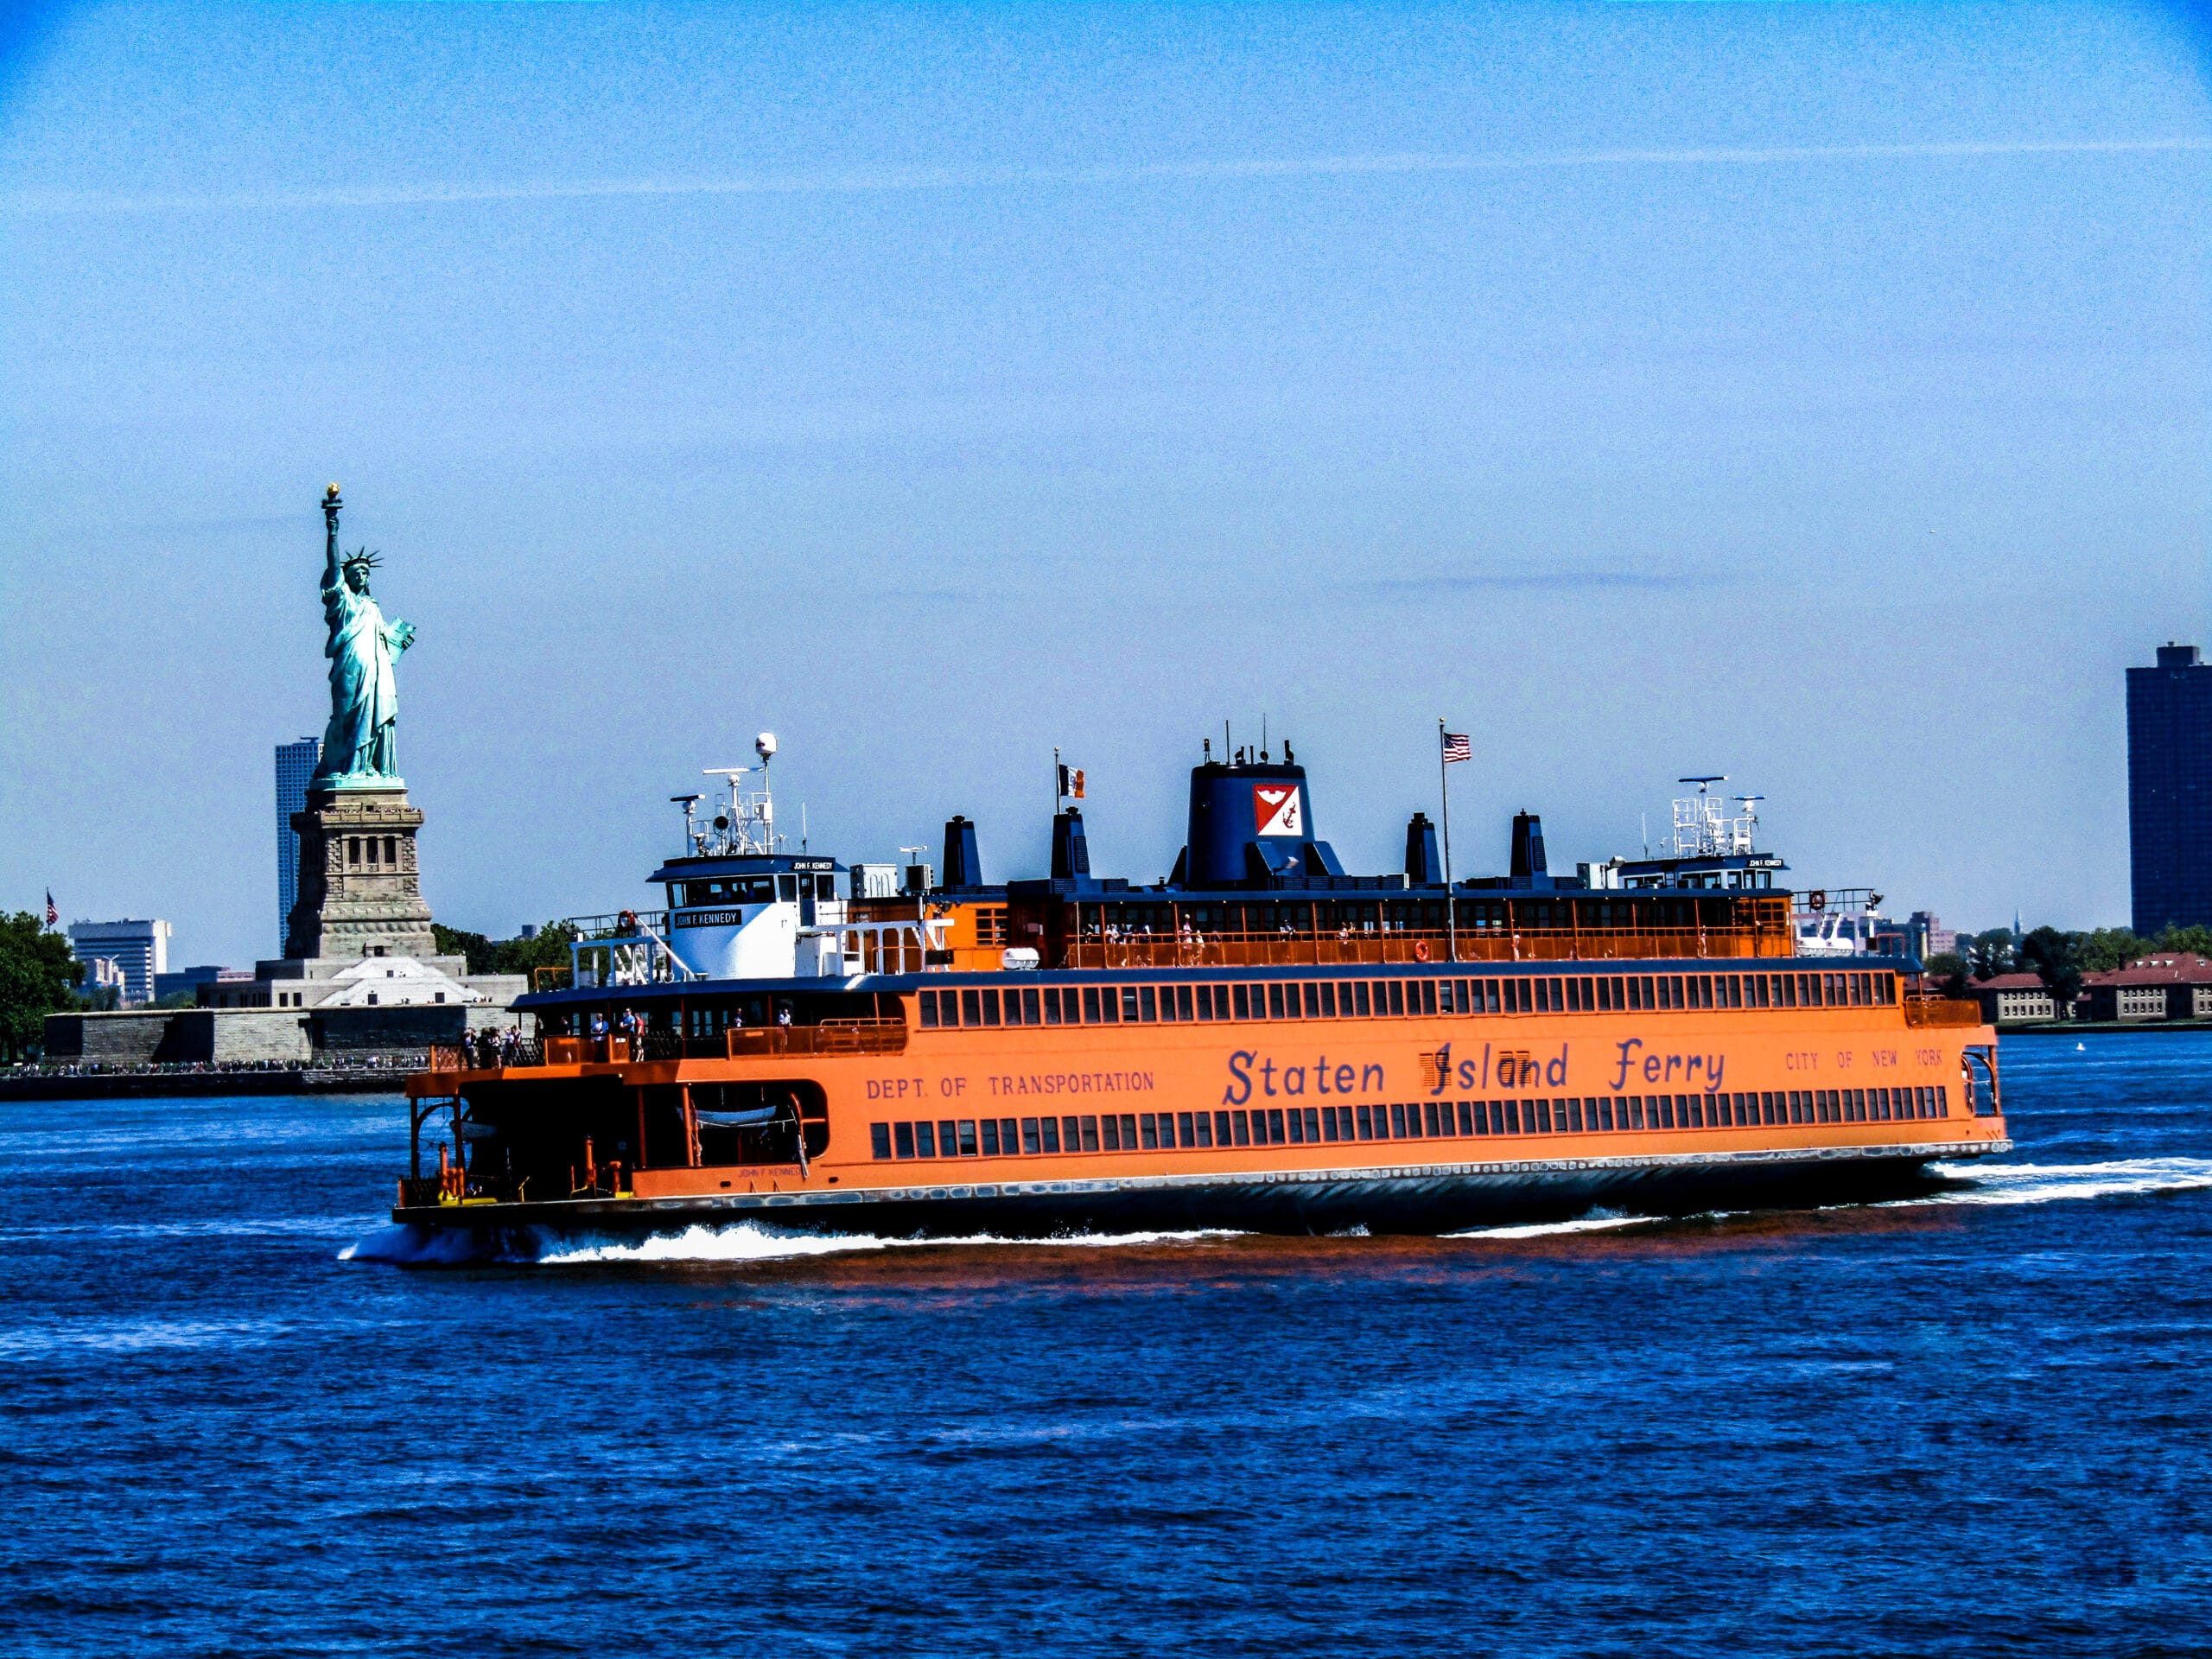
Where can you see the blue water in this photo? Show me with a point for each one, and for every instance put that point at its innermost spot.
(1974, 1425)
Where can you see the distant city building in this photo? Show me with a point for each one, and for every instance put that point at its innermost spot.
(139, 949)
(2169, 791)
(193, 979)
(1919, 935)
(295, 765)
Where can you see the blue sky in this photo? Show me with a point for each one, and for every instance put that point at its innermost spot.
(1814, 394)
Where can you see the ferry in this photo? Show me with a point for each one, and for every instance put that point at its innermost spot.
(1260, 1042)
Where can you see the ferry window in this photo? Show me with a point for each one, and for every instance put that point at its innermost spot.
(1429, 1118)
(1054, 1007)
(990, 1137)
(1397, 1121)
(925, 1140)
(1574, 997)
(1130, 1003)
(1329, 1001)
(1241, 1002)
(1513, 1117)
(1205, 1001)
(1758, 991)
(1297, 1127)
(1604, 988)
(903, 1135)
(1110, 1003)
(1602, 1114)
(1091, 1004)
(879, 1140)
(1182, 1001)
(1030, 1142)
(1274, 1128)
(1030, 1014)
(787, 888)
(1149, 1129)
(1184, 1129)
(1397, 996)
(1429, 996)
(1366, 1124)
(1355, 998)
(971, 1007)
(1089, 1136)
(1275, 1000)
(1312, 996)
(1109, 1131)
(950, 1135)
(1242, 1129)
(1052, 1127)
(929, 1010)
(990, 1008)
(1222, 1136)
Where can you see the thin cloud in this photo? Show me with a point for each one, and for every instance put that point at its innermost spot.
(886, 180)
(1494, 580)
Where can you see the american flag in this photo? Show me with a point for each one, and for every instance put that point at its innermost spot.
(53, 916)
(1458, 746)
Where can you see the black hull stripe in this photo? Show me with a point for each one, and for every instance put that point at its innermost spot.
(1417, 1198)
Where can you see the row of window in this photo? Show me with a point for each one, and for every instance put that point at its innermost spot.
(389, 845)
(1010, 1137)
(1360, 999)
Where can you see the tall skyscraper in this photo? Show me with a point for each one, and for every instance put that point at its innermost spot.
(295, 764)
(2169, 791)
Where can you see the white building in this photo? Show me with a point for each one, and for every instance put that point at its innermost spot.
(138, 950)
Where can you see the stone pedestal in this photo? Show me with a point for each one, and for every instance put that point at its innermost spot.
(360, 888)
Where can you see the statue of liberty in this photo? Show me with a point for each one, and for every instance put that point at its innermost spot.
(358, 745)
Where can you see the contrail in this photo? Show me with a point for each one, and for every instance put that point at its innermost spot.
(943, 179)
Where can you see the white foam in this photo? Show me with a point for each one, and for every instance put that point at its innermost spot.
(1597, 1221)
(736, 1242)
(2044, 1182)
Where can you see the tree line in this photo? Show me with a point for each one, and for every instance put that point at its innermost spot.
(2058, 958)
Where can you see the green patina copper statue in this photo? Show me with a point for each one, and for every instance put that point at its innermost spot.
(358, 747)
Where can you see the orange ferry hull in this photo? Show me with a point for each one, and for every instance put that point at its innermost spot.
(1428, 1124)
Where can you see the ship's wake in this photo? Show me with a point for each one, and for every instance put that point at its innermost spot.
(2046, 1183)
(733, 1243)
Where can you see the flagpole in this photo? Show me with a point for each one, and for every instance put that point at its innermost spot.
(1444, 789)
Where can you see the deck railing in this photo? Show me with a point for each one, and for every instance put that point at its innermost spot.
(1474, 945)
(831, 1037)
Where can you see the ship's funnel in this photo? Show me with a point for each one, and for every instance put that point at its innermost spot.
(1424, 869)
(1246, 817)
(1528, 849)
(1070, 851)
(963, 866)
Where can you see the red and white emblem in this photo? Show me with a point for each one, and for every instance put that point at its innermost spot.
(1276, 806)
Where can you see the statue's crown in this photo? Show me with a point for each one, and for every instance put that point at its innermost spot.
(362, 559)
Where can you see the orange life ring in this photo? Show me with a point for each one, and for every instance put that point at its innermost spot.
(1816, 901)
(1420, 950)
(628, 921)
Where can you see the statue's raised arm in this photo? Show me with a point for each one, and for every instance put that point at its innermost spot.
(359, 745)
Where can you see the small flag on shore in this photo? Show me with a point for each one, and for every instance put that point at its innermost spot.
(1458, 746)
(53, 916)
